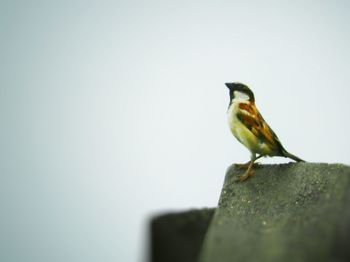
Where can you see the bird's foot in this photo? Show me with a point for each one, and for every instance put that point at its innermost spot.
(245, 176)
(245, 165)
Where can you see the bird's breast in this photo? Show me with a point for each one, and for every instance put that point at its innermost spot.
(236, 126)
(239, 130)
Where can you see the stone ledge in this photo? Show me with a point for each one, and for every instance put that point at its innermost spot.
(178, 237)
(288, 212)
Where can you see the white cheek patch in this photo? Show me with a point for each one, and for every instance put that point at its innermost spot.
(240, 95)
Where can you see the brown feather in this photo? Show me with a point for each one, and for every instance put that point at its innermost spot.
(252, 119)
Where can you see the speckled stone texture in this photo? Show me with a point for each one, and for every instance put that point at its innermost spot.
(288, 212)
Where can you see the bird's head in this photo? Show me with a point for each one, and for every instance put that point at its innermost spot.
(240, 91)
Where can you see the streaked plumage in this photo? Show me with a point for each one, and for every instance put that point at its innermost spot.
(250, 128)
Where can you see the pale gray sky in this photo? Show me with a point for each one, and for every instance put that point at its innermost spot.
(112, 111)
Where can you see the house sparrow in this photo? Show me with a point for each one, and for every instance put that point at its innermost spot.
(250, 128)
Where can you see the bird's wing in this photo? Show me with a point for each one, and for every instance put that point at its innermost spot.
(252, 119)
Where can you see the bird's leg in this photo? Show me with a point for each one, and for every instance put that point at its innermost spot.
(249, 171)
(246, 165)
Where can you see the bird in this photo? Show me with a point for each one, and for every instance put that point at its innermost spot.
(250, 128)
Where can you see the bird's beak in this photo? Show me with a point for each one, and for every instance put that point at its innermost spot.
(229, 85)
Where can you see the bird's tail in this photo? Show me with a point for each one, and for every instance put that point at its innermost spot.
(295, 158)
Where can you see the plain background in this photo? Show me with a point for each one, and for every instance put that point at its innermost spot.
(113, 111)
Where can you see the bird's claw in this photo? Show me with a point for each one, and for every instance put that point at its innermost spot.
(245, 176)
(245, 165)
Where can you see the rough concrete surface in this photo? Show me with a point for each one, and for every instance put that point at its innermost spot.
(178, 237)
(288, 212)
